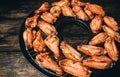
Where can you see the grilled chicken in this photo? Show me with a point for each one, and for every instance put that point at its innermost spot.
(55, 11)
(47, 28)
(91, 50)
(52, 42)
(61, 3)
(48, 17)
(98, 39)
(96, 9)
(43, 8)
(75, 68)
(31, 22)
(111, 48)
(28, 38)
(96, 24)
(97, 62)
(80, 13)
(44, 60)
(38, 43)
(67, 11)
(78, 3)
(69, 52)
(110, 22)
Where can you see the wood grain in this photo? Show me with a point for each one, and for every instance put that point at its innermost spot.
(12, 62)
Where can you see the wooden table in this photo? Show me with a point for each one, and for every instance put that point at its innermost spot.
(12, 15)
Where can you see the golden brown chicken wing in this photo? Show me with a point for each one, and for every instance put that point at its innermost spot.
(38, 43)
(111, 23)
(80, 13)
(55, 11)
(48, 17)
(75, 68)
(111, 48)
(78, 3)
(67, 11)
(28, 38)
(98, 39)
(96, 24)
(89, 13)
(44, 60)
(43, 8)
(31, 22)
(47, 28)
(96, 9)
(69, 52)
(52, 42)
(91, 50)
(97, 62)
(61, 3)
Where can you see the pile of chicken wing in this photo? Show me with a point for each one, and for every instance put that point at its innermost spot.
(101, 50)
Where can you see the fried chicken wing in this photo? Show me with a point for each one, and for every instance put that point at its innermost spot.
(44, 60)
(97, 62)
(61, 3)
(80, 13)
(91, 50)
(38, 43)
(52, 42)
(31, 22)
(89, 13)
(75, 68)
(98, 39)
(96, 9)
(111, 48)
(28, 38)
(111, 23)
(78, 3)
(55, 11)
(43, 8)
(96, 24)
(48, 17)
(47, 28)
(67, 11)
(69, 52)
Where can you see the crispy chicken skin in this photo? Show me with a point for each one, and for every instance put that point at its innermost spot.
(96, 9)
(75, 68)
(111, 48)
(52, 42)
(55, 11)
(38, 43)
(31, 22)
(111, 23)
(89, 13)
(91, 50)
(96, 24)
(43, 8)
(44, 60)
(97, 62)
(28, 38)
(67, 11)
(98, 39)
(48, 17)
(69, 52)
(78, 3)
(47, 28)
(80, 13)
(61, 3)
